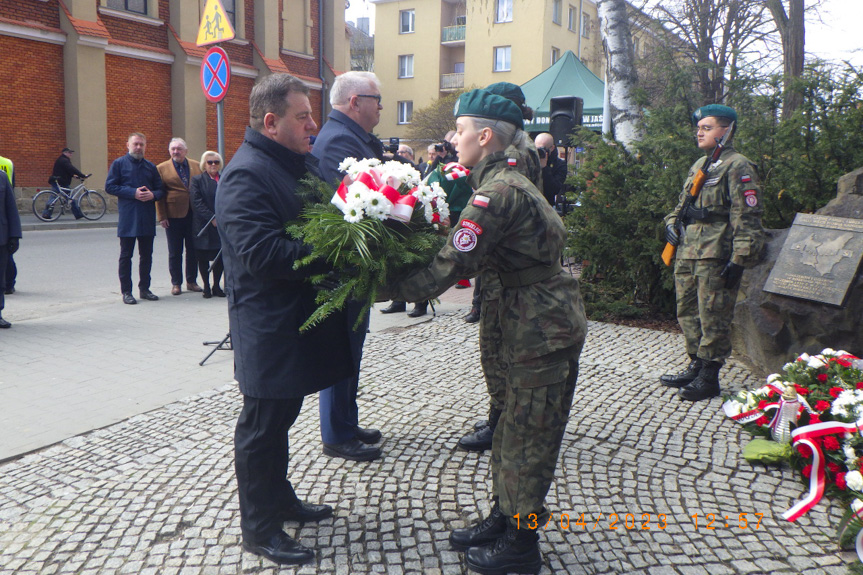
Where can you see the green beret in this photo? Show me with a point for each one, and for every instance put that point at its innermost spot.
(714, 110)
(508, 90)
(484, 104)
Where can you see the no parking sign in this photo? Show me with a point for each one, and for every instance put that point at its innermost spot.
(215, 74)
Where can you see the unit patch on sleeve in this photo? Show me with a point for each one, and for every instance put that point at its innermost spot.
(745, 179)
(480, 201)
(464, 240)
(511, 161)
(475, 227)
(751, 198)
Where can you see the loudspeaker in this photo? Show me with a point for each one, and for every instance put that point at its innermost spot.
(565, 113)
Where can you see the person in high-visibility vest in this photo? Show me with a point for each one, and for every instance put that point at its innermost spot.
(10, 230)
(11, 273)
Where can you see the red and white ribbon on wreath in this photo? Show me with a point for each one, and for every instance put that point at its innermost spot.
(755, 414)
(403, 206)
(454, 171)
(806, 435)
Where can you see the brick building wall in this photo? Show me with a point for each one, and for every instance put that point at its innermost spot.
(139, 100)
(33, 129)
(236, 117)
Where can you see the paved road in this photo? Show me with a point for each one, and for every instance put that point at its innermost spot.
(141, 480)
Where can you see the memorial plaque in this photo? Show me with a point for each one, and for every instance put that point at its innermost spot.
(819, 259)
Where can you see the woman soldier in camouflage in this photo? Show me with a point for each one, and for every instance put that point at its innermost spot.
(508, 227)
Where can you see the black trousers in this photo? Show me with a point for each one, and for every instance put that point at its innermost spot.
(11, 272)
(4, 258)
(261, 464)
(145, 262)
(179, 232)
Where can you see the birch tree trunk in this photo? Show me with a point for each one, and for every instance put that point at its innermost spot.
(620, 74)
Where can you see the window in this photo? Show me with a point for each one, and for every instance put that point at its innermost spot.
(585, 25)
(504, 11)
(230, 7)
(635, 46)
(502, 58)
(406, 66)
(555, 54)
(406, 112)
(406, 22)
(573, 18)
(458, 68)
(138, 6)
(556, 9)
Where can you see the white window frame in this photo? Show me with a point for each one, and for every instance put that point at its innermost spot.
(405, 112)
(572, 18)
(555, 55)
(503, 11)
(556, 11)
(585, 25)
(406, 66)
(411, 24)
(505, 66)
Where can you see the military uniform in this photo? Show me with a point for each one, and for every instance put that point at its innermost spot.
(510, 229)
(729, 229)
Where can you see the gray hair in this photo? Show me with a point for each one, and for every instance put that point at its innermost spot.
(350, 84)
(504, 132)
(270, 95)
(178, 140)
(209, 153)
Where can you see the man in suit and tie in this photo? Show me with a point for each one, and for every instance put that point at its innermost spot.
(174, 212)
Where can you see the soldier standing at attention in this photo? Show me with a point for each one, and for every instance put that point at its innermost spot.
(718, 236)
(507, 226)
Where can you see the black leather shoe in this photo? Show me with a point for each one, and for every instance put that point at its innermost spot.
(472, 316)
(706, 385)
(353, 450)
(129, 299)
(480, 424)
(368, 436)
(419, 310)
(207, 293)
(281, 549)
(395, 307)
(217, 291)
(148, 295)
(303, 512)
(479, 440)
(516, 551)
(9, 291)
(486, 531)
(4, 324)
(685, 377)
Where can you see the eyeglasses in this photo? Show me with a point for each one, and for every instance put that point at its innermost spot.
(213, 162)
(706, 129)
(376, 97)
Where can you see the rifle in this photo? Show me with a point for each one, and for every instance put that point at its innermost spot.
(694, 190)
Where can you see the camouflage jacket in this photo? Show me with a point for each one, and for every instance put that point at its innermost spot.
(508, 227)
(731, 228)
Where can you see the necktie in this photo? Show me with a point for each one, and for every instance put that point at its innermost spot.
(181, 170)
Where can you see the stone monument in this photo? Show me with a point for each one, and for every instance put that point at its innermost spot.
(770, 330)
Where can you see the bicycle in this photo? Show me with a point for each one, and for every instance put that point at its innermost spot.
(49, 205)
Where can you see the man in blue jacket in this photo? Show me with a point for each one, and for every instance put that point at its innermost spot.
(356, 102)
(10, 233)
(268, 301)
(137, 185)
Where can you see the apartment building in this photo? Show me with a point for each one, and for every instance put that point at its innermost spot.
(86, 73)
(427, 48)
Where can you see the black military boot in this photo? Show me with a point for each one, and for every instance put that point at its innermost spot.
(480, 440)
(706, 385)
(516, 552)
(485, 532)
(686, 376)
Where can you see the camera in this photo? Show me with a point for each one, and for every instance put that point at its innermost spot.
(393, 146)
(542, 153)
(445, 148)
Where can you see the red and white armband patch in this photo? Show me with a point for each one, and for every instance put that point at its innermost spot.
(751, 197)
(480, 201)
(471, 225)
(464, 239)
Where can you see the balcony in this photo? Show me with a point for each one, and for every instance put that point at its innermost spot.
(452, 35)
(451, 82)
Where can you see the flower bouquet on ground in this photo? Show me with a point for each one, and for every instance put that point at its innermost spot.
(813, 414)
(381, 224)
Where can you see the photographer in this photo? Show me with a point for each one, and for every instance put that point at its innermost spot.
(554, 169)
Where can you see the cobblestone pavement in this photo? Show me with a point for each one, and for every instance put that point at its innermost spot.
(156, 493)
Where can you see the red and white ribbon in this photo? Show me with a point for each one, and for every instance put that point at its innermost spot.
(454, 171)
(403, 206)
(806, 435)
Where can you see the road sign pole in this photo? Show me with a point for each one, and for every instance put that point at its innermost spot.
(220, 121)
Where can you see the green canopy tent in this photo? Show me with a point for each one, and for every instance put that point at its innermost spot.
(566, 77)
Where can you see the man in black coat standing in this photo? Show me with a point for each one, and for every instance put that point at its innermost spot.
(268, 300)
(554, 170)
(10, 233)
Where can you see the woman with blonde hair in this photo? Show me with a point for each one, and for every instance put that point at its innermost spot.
(207, 243)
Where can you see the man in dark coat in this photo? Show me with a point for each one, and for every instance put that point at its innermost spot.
(554, 170)
(64, 170)
(356, 102)
(268, 300)
(10, 233)
(137, 185)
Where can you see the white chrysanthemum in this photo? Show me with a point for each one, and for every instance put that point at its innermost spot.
(347, 164)
(828, 351)
(354, 211)
(816, 361)
(399, 175)
(734, 408)
(854, 480)
(375, 205)
(803, 357)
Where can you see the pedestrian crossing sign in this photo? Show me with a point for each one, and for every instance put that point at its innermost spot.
(215, 25)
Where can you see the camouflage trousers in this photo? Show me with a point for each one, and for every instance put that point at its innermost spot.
(705, 308)
(526, 443)
(490, 346)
